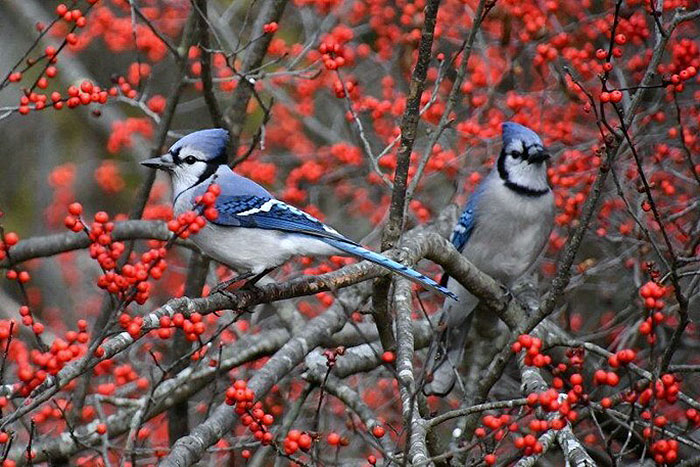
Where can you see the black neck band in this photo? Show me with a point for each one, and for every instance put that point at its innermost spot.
(519, 189)
(211, 169)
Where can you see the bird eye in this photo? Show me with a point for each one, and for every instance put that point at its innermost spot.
(516, 154)
(190, 159)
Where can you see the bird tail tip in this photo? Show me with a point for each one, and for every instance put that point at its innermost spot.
(390, 264)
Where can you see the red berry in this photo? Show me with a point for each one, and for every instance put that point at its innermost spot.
(11, 238)
(304, 441)
(620, 39)
(75, 209)
(333, 439)
(388, 357)
(101, 217)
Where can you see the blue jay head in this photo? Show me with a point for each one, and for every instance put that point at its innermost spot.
(193, 158)
(523, 157)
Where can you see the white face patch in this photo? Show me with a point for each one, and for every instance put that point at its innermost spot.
(190, 165)
(528, 175)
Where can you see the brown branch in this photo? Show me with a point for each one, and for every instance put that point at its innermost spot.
(50, 245)
(353, 401)
(416, 450)
(409, 125)
(175, 390)
(205, 60)
(455, 92)
(188, 38)
(178, 416)
(189, 449)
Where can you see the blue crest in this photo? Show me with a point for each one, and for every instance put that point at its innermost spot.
(212, 143)
(516, 132)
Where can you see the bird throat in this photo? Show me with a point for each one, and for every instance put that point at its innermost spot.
(516, 187)
(210, 170)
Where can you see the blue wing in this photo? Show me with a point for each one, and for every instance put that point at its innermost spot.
(465, 226)
(272, 214)
(467, 221)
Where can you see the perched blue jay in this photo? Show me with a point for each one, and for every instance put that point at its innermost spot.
(254, 232)
(502, 231)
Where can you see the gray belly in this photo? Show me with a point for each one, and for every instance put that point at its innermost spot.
(509, 234)
(505, 255)
(247, 249)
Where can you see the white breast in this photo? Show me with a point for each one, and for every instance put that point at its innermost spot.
(510, 232)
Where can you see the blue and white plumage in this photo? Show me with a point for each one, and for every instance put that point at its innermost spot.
(254, 232)
(502, 231)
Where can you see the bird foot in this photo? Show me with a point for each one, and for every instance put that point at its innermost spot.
(222, 287)
(249, 278)
(512, 297)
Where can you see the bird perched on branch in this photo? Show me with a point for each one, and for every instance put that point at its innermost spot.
(503, 229)
(254, 232)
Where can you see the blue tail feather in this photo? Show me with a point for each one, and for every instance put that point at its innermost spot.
(398, 268)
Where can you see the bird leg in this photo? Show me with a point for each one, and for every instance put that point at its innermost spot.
(249, 277)
(222, 286)
(513, 297)
(250, 283)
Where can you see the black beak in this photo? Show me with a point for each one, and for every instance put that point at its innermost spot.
(164, 162)
(538, 157)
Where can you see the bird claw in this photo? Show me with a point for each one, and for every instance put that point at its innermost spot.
(222, 286)
(507, 292)
(227, 293)
(250, 279)
(512, 297)
(251, 287)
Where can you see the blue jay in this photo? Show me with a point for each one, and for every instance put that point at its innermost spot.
(254, 232)
(503, 229)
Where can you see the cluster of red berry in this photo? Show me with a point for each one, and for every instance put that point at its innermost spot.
(340, 89)
(500, 426)
(252, 414)
(122, 132)
(609, 378)
(665, 451)
(129, 281)
(652, 293)
(190, 222)
(532, 346)
(9, 240)
(193, 327)
(44, 363)
(296, 440)
(270, 28)
(332, 54)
